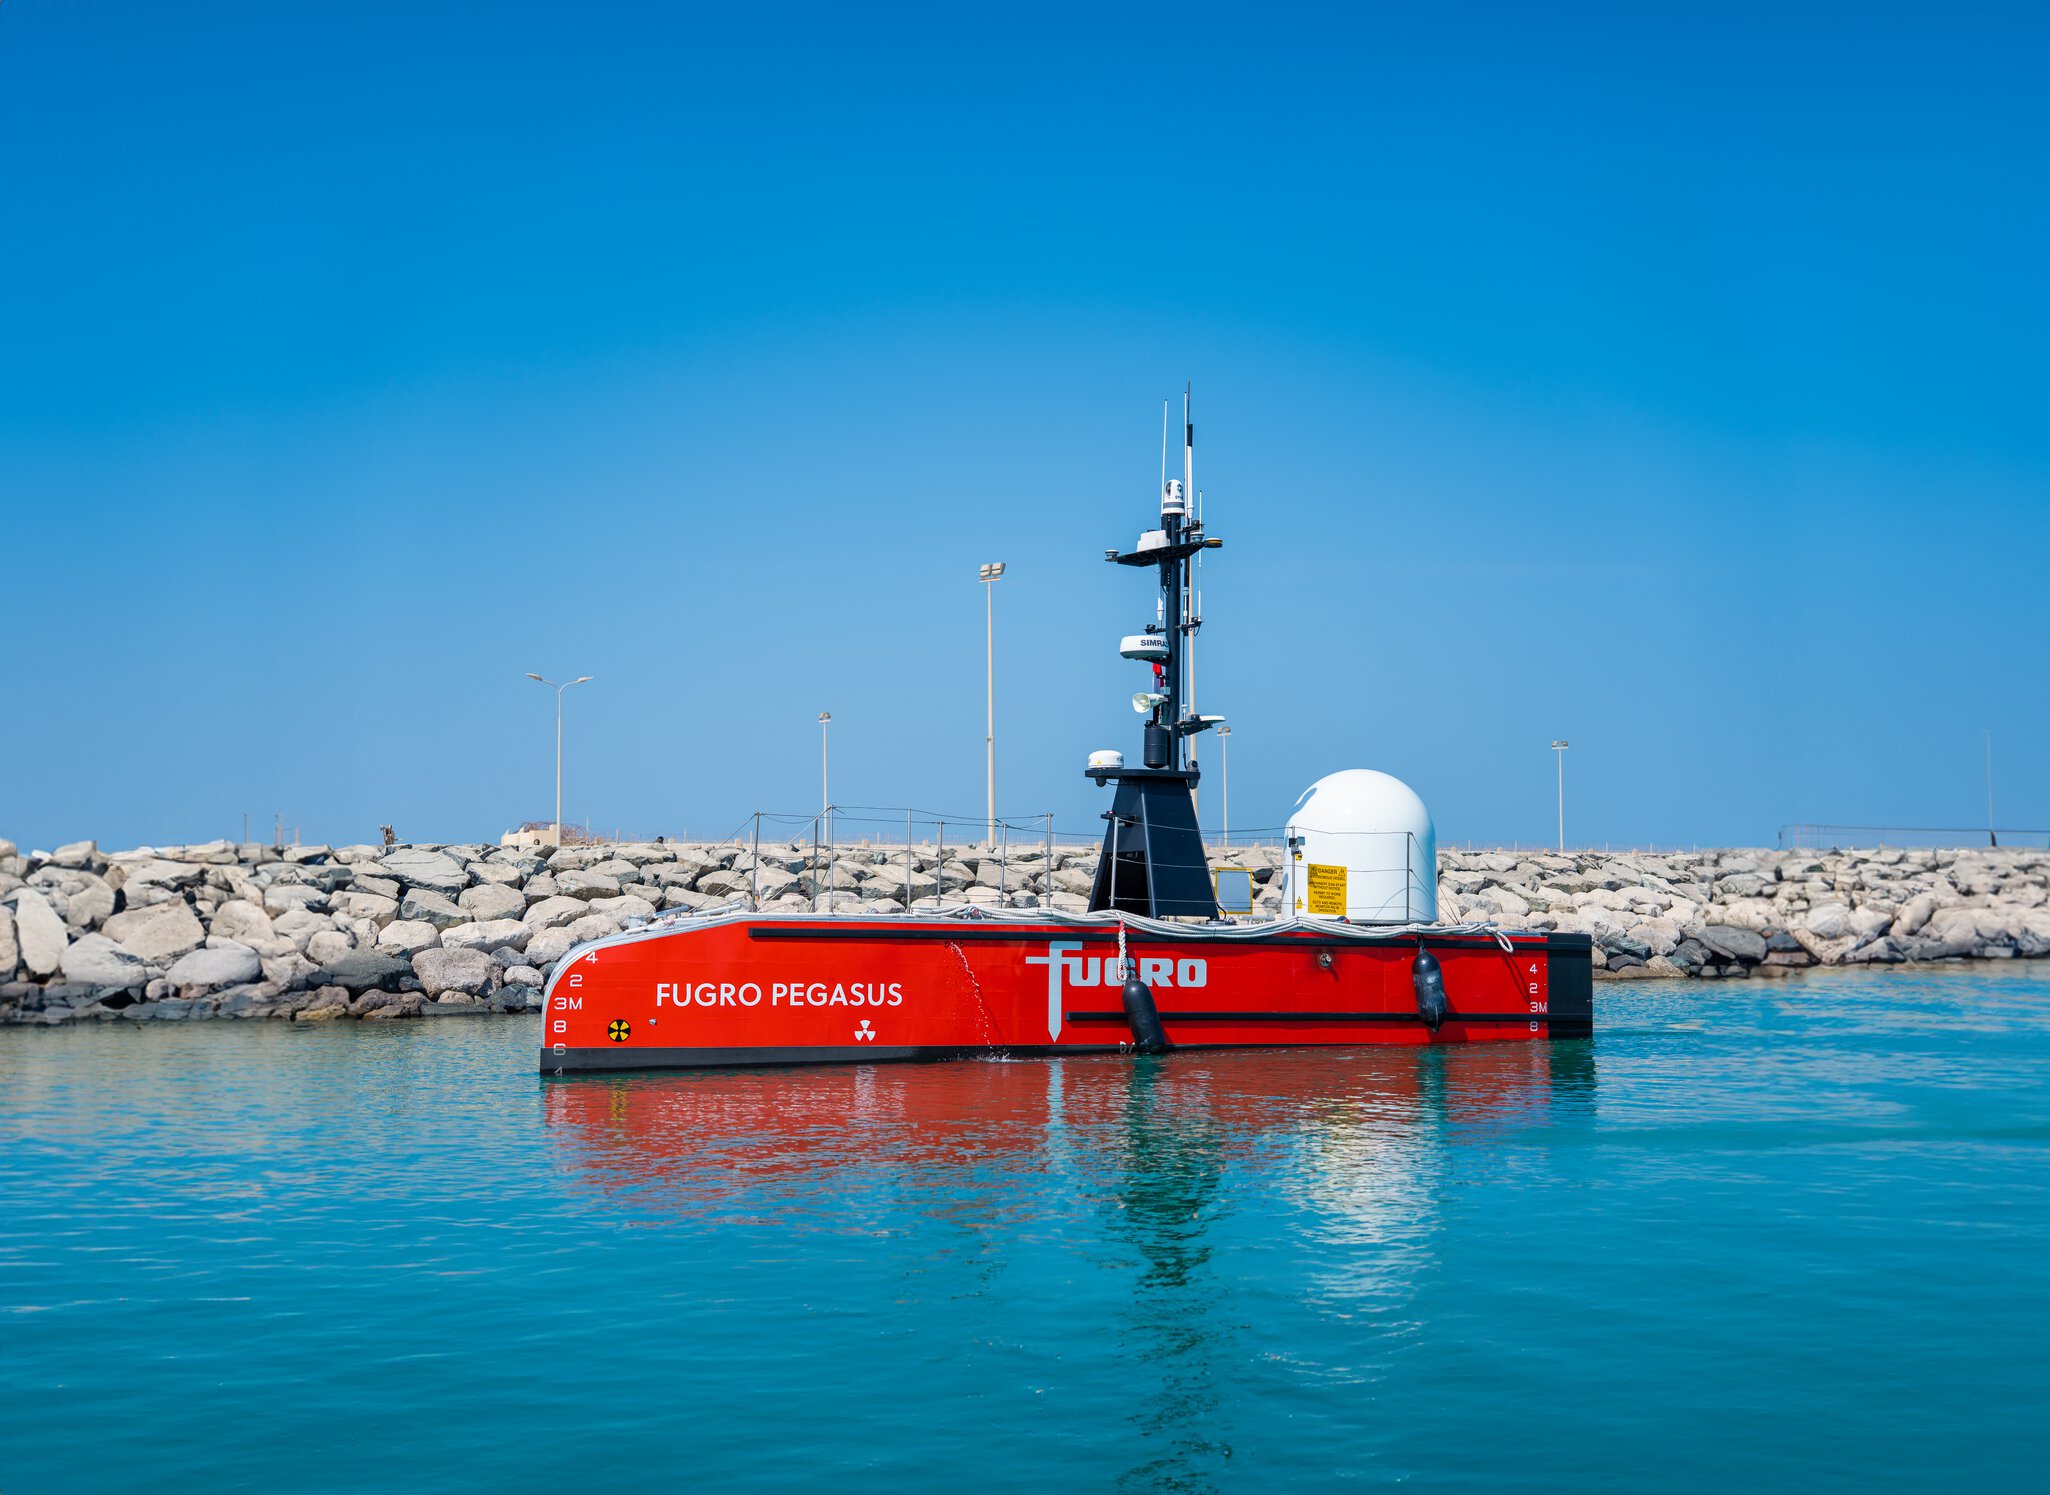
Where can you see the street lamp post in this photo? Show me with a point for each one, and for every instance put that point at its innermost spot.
(990, 573)
(825, 783)
(559, 689)
(1559, 749)
(1224, 767)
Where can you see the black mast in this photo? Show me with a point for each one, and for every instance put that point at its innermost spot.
(1152, 861)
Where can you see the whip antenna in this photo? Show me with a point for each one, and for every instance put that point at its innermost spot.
(1163, 446)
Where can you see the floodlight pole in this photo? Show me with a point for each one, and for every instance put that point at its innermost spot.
(559, 689)
(1559, 746)
(990, 572)
(1224, 770)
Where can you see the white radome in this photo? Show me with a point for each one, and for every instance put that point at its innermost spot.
(1374, 829)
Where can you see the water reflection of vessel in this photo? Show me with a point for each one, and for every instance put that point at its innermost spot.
(1353, 1127)
(1358, 958)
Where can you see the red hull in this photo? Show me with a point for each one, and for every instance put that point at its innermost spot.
(767, 989)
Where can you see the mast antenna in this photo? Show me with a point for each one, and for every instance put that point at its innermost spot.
(1188, 682)
(1163, 446)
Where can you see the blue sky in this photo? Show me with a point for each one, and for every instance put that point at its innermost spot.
(1670, 380)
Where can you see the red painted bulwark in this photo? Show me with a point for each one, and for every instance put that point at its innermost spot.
(770, 991)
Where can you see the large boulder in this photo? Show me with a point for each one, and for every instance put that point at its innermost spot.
(1828, 921)
(587, 885)
(1073, 880)
(94, 960)
(491, 900)
(631, 906)
(1507, 904)
(152, 879)
(549, 946)
(158, 934)
(1829, 952)
(418, 867)
(886, 881)
(222, 964)
(469, 972)
(10, 947)
(284, 897)
(1733, 943)
(1913, 915)
(40, 933)
(685, 899)
(551, 912)
(329, 946)
(734, 882)
(404, 936)
(301, 925)
(366, 970)
(76, 854)
(1955, 931)
(246, 924)
(89, 904)
(486, 934)
(424, 905)
(1755, 914)
(289, 972)
(372, 906)
(1880, 951)
(1660, 936)
(592, 927)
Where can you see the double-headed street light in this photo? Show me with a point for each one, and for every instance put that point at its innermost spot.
(1559, 748)
(990, 572)
(559, 689)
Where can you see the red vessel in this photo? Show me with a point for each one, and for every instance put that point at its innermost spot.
(1151, 966)
(768, 988)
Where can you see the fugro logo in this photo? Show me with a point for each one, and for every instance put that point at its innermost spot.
(1067, 967)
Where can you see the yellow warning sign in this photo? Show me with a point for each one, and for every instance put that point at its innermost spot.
(1327, 891)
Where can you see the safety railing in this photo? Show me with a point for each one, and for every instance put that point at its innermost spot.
(1806, 837)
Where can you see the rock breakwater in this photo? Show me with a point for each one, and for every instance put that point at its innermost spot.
(1745, 913)
(319, 933)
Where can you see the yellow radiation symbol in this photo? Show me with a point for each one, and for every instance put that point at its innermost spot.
(619, 1030)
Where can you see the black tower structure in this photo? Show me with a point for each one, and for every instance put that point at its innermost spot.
(1152, 861)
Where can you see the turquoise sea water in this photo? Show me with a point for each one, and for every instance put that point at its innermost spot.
(1759, 1237)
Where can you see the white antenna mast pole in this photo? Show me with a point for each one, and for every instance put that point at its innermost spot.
(1188, 590)
(1163, 446)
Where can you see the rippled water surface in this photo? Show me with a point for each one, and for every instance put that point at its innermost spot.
(1751, 1237)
